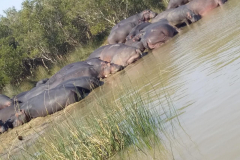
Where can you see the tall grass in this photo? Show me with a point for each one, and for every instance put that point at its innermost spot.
(111, 126)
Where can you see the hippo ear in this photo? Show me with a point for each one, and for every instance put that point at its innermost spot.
(189, 15)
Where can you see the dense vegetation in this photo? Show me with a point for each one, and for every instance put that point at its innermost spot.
(45, 31)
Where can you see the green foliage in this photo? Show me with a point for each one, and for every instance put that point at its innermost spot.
(45, 30)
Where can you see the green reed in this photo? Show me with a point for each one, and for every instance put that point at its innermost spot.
(111, 126)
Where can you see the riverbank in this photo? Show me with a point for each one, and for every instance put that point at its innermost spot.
(95, 127)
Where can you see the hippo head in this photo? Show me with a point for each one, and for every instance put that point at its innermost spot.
(148, 14)
(105, 69)
(20, 118)
(115, 68)
(192, 16)
(130, 36)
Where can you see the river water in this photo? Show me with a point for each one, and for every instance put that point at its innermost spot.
(199, 70)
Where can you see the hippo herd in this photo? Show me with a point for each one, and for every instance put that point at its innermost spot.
(127, 41)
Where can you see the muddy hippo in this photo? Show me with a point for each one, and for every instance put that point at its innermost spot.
(137, 29)
(144, 16)
(119, 54)
(156, 34)
(201, 7)
(5, 101)
(119, 34)
(43, 81)
(177, 16)
(176, 3)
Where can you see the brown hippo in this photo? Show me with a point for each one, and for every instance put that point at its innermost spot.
(201, 7)
(137, 29)
(119, 34)
(144, 16)
(177, 16)
(119, 54)
(176, 3)
(156, 34)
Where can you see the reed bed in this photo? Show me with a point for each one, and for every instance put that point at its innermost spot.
(110, 127)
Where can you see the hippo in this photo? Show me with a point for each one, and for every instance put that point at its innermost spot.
(43, 81)
(176, 3)
(144, 16)
(119, 54)
(201, 7)
(48, 102)
(156, 34)
(9, 118)
(24, 96)
(136, 44)
(136, 30)
(52, 100)
(5, 101)
(97, 63)
(177, 16)
(119, 34)
(91, 68)
(88, 83)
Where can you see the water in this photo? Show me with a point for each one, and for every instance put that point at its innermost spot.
(197, 73)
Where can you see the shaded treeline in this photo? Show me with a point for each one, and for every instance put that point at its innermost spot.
(44, 31)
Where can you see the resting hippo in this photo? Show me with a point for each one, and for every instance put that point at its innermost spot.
(91, 68)
(53, 100)
(5, 101)
(9, 118)
(97, 63)
(43, 81)
(176, 3)
(119, 34)
(156, 34)
(201, 7)
(144, 16)
(177, 16)
(136, 44)
(84, 69)
(119, 54)
(88, 83)
(46, 103)
(137, 29)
